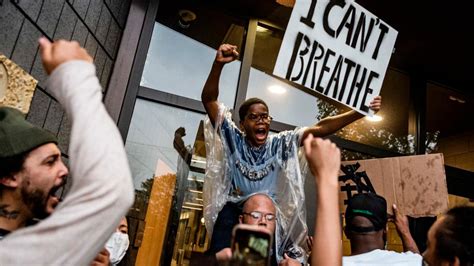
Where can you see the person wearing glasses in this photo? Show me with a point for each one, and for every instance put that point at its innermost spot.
(259, 209)
(244, 159)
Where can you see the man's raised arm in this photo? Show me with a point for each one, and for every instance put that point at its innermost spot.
(225, 54)
(324, 160)
(102, 189)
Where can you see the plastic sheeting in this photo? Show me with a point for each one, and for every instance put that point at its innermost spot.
(291, 229)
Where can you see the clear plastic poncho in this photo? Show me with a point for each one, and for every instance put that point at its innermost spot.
(291, 229)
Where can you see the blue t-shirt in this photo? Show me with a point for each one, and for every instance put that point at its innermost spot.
(255, 169)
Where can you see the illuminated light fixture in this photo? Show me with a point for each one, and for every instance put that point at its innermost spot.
(262, 29)
(195, 180)
(195, 191)
(374, 118)
(277, 89)
(202, 220)
(192, 208)
(193, 204)
(186, 17)
(456, 99)
(287, 3)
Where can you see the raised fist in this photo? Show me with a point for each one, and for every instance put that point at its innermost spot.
(61, 51)
(226, 53)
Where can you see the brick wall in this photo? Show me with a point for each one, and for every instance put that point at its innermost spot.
(95, 24)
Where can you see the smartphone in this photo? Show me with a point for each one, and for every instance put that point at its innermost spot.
(251, 245)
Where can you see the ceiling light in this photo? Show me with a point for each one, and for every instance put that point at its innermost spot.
(374, 118)
(186, 17)
(193, 204)
(456, 99)
(277, 89)
(192, 208)
(262, 29)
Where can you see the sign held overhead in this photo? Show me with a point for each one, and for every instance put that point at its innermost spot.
(336, 48)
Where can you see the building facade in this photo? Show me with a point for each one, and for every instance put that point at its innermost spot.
(152, 59)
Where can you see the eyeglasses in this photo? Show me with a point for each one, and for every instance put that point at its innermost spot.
(256, 117)
(256, 215)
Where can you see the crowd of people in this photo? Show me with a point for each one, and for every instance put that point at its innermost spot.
(251, 178)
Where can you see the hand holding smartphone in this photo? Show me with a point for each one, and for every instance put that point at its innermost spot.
(251, 245)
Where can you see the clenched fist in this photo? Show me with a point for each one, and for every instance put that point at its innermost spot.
(61, 51)
(226, 53)
(324, 159)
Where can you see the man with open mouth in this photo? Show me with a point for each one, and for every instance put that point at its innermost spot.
(244, 160)
(73, 231)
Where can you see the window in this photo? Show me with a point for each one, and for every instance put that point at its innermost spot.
(152, 134)
(179, 65)
(165, 144)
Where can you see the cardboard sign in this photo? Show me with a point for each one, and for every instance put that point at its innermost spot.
(416, 184)
(338, 49)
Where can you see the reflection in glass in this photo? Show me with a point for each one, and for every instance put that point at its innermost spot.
(152, 134)
(392, 132)
(267, 44)
(191, 238)
(180, 65)
(293, 106)
(347, 155)
(167, 163)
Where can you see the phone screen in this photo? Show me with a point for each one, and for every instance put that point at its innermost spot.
(251, 247)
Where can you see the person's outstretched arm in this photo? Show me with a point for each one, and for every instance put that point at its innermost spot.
(324, 160)
(225, 54)
(102, 189)
(330, 125)
(401, 223)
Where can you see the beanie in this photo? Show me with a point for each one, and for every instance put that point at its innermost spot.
(18, 136)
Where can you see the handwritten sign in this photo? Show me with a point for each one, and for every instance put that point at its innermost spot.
(417, 184)
(336, 48)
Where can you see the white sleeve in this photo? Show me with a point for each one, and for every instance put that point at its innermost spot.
(102, 189)
(300, 132)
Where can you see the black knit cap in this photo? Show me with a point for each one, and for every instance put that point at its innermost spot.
(18, 136)
(370, 206)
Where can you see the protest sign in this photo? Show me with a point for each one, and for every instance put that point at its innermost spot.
(336, 48)
(416, 184)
